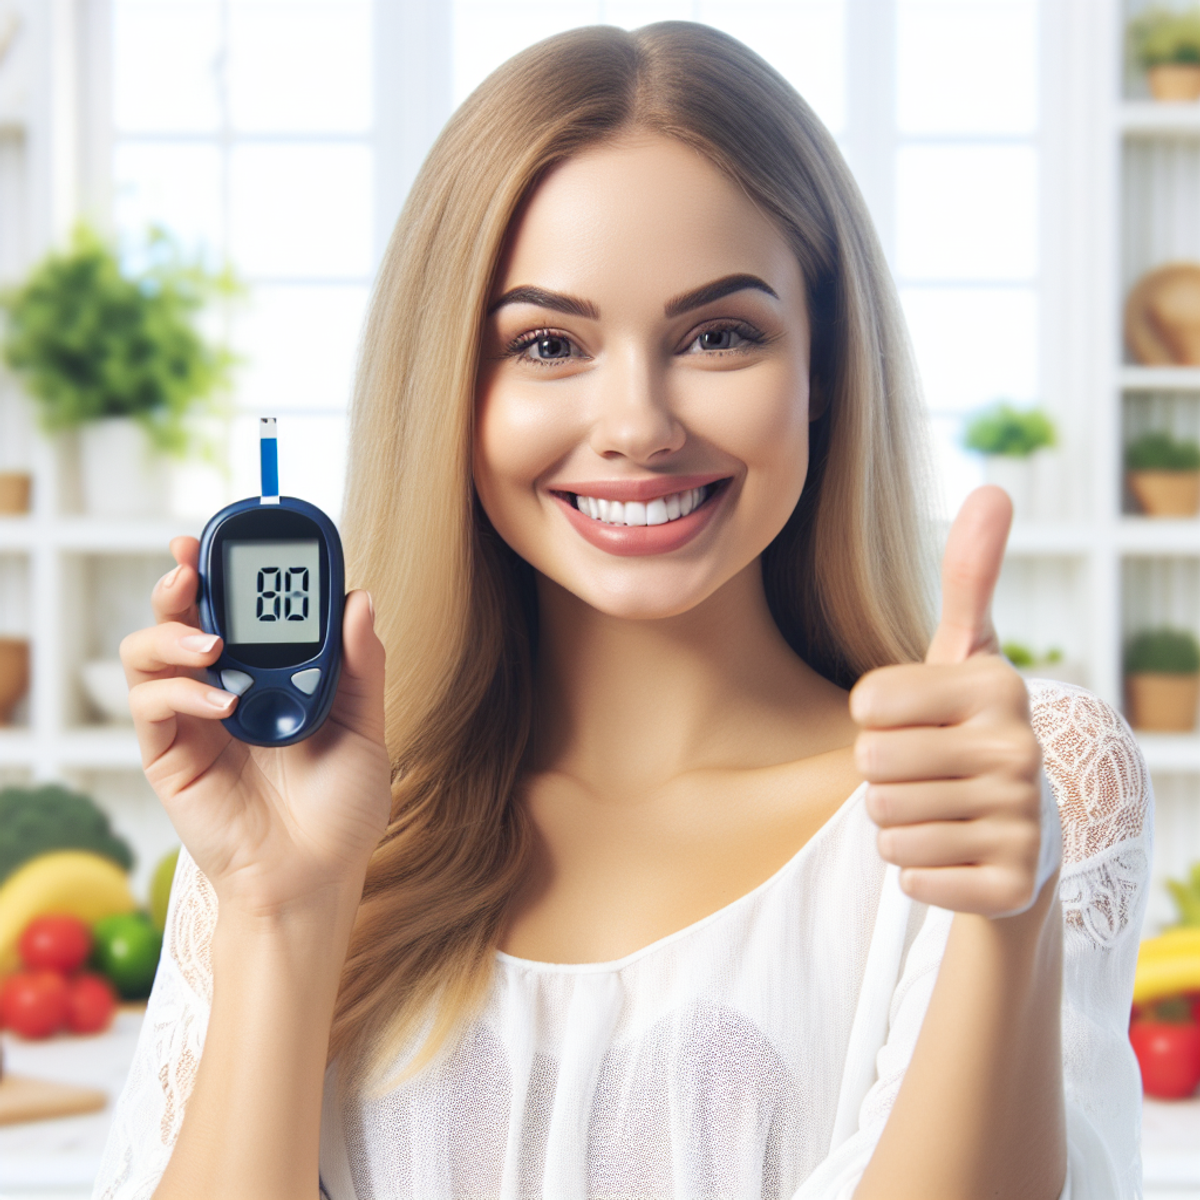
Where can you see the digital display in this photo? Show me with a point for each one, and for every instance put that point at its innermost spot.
(273, 591)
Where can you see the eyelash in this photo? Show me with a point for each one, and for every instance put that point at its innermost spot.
(517, 347)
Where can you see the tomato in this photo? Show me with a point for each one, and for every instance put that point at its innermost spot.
(91, 1002)
(127, 950)
(55, 942)
(1168, 1053)
(34, 1003)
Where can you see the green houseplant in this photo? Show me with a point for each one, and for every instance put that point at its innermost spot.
(1165, 43)
(1164, 474)
(1010, 439)
(1162, 679)
(96, 344)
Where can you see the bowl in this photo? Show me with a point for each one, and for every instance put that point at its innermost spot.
(104, 683)
(14, 674)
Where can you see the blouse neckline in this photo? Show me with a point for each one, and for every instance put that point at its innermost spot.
(617, 964)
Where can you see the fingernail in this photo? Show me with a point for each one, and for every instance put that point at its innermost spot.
(169, 578)
(371, 607)
(219, 699)
(201, 643)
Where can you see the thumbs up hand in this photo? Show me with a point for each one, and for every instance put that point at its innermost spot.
(946, 747)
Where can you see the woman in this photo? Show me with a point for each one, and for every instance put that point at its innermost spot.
(588, 900)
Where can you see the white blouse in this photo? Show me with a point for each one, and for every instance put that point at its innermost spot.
(756, 1053)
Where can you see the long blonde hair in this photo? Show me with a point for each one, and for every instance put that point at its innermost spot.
(846, 579)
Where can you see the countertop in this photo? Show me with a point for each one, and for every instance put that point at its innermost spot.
(57, 1160)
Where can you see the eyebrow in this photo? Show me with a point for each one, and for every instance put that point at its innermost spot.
(573, 306)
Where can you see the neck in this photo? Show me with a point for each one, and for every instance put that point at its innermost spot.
(627, 704)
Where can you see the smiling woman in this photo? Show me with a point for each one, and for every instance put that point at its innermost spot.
(653, 905)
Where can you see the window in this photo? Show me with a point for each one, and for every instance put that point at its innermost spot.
(245, 128)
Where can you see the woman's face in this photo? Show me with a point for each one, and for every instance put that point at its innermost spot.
(643, 402)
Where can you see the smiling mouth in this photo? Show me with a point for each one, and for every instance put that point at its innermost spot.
(660, 511)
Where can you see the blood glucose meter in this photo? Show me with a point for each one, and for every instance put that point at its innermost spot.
(272, 584)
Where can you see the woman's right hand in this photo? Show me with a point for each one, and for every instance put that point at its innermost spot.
(272, 829)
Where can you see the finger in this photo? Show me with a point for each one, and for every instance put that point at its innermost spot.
(992, 841)
(970, 567)
(908, 694)
(166, 649)
(950, 752)
(990, 891)
(359, 701)
(898, 804)
(161, 706)
(174, 595)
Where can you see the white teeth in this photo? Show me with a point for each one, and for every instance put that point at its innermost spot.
(656, 512)
(634, 512)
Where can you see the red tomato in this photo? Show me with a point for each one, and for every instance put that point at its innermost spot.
(1169, 1056)
(55, 942)
(91, 1002)
(34, 1003)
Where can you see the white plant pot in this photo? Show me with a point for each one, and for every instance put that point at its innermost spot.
(122, 473)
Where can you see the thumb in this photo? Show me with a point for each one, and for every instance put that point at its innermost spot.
(359, 701)
(970, 567)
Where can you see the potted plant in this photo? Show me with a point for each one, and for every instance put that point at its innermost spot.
(115, 354)
(1165, 43)
(1010, 438)
(1162, 680)
(1164, 474)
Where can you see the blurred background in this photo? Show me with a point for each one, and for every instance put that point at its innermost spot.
(1034, 175)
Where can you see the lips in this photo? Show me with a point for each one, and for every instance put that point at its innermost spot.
(641, 517)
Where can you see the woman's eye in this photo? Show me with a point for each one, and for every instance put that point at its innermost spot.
(724, 337)
(543, 347)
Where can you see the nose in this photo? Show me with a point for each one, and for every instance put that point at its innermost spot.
(634, 418)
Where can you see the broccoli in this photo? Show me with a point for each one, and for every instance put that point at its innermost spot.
(37, 820)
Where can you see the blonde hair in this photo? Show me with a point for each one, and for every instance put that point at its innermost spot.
(845, 579)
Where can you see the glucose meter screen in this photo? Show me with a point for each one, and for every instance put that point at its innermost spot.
(273, 591)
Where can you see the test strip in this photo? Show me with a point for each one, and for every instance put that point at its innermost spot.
(268, 460)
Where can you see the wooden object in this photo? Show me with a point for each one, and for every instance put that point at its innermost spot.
(14, 674)
(1162, 703)
(14, 492)
(1166, 493)
(1162, 316)
(24, 1099)
(1174, 81)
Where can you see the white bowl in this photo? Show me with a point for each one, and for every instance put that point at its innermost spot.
(104, 683)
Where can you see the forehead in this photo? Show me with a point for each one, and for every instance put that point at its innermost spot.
(645, 208)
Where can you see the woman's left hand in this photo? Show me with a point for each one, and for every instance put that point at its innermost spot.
(952, 764)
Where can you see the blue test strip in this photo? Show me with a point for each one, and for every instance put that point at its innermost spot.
(269, 460)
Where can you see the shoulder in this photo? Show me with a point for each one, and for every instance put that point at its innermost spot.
(1095, 767)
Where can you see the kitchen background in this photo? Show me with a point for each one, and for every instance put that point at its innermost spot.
(1022, 179)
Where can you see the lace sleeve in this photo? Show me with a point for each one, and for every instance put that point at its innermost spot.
(1106, 804)
(149, 1111)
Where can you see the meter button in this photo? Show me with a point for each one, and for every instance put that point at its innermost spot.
(307, 681)
(237, 682)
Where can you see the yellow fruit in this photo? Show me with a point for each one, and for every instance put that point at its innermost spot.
(77, 882)
(160, 888)
(1182, 939)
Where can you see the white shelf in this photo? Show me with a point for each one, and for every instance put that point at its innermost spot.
(1153, 118)
(1152, 536)
(1159, 379)
(1052, 541)
(88, 535)
(1171, 751)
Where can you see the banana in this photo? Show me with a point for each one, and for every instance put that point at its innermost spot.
(1181, 939)
(64, 881)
